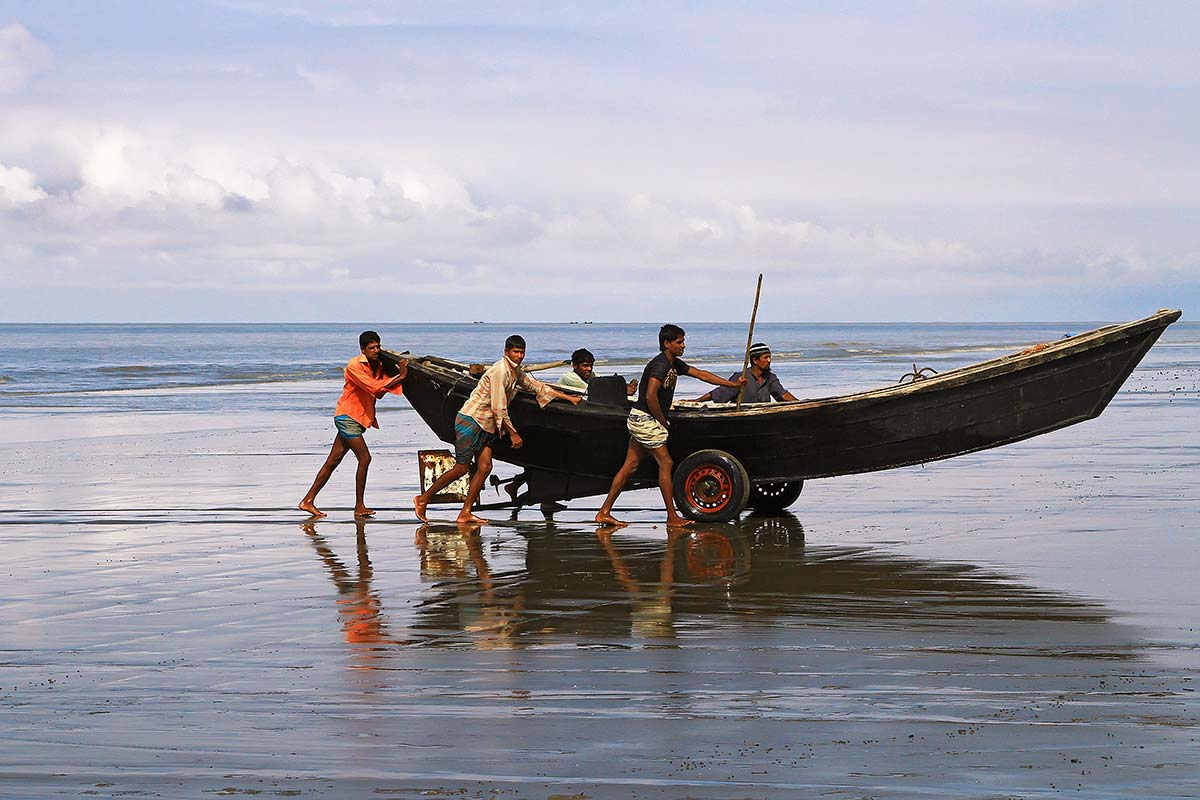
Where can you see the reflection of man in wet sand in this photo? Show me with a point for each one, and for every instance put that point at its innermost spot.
(648, 426)
(491, 619)
(359, 608)
(484, 417)
(355, 412)
(651, 611)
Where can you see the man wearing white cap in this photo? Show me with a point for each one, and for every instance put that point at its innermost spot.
(762, 386)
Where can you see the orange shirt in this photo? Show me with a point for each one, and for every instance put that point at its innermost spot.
(362, 389)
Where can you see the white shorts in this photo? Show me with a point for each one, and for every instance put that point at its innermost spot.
(646, 430)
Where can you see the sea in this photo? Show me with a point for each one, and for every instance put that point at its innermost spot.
(1014, 623)
(292, 367)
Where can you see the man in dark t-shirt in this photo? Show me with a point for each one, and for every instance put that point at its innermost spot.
(648, 425)
(666, 371)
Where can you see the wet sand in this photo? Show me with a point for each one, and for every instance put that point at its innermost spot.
(1011, 624)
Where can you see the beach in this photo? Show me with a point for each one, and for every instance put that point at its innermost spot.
(1014, 623)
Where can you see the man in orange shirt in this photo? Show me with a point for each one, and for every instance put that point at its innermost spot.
(355, 412)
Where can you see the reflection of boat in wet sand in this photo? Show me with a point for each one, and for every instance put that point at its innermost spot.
(600, 586)
(729, 458)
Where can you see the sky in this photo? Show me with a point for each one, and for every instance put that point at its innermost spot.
(360, 160)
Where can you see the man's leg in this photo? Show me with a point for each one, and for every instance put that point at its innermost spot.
(483, 468)
(421, 501)
(359, 446)
(336, 453)
(633, 456)
(664, 485)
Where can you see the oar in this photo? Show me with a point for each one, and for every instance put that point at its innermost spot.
(545, 365)
(749, 340)
(479, 369)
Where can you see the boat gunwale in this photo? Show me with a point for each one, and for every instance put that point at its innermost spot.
(951, 379)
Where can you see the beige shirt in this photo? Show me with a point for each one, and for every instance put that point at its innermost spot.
(488, 403)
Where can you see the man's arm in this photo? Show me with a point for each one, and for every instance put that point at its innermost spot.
(708, 377)
(360, 375)
(498, 400)
(391, 385)
(722, 394)
(656, 411)
(573, 399)
(777, 390)
(545, 391)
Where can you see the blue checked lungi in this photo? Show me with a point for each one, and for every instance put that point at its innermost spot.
(469, 439)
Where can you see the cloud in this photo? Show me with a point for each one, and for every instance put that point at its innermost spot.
(523, 151)
(158, 206)
(322, 81)
(387, 13)
(22, 58)
(178, 202)
(18, 187)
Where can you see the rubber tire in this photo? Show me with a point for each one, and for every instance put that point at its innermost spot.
(711, 486)
(774, 497)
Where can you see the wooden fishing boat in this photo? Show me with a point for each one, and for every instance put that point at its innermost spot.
(759, 455)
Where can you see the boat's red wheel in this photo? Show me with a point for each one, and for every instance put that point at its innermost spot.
(709, 488)
(711, 485)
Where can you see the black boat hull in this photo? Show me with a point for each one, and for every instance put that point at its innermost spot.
(965, 410)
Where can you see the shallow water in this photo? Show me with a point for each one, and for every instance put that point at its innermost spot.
(188, 654)
(1013, 623)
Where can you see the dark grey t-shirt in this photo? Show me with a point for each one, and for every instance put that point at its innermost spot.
(662, 368)
(755, 392)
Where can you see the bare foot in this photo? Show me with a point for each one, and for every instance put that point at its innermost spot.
(512, 490)
(605, 518)
(678, 522)
(419, 505)
(307, 507)
(470, 519)
(364, 512)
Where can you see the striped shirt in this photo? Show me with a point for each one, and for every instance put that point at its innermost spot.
(488, 403)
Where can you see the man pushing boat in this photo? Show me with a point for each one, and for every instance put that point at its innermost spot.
(648, 426)
(483, 418)
(355, 412)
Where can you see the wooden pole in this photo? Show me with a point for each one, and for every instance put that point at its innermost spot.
(545, 365)
(749, 340)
